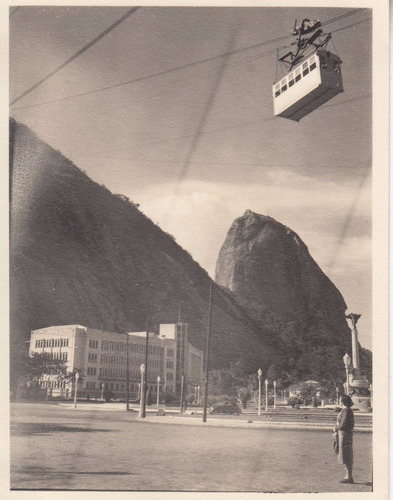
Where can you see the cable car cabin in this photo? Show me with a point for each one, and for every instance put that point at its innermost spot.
(308, 85)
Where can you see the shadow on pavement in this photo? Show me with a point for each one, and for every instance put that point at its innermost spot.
(24, 429)
(72, 473)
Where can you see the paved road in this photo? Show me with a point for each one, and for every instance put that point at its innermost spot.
(54, 447)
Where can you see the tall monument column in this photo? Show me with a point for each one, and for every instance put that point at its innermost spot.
(355, 343)
(358, 383)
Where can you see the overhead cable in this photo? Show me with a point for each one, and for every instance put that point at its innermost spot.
(78, 53)
(185, 66)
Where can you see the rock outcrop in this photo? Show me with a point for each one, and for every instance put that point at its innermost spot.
(272, 275)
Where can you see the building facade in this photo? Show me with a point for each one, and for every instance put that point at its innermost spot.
(103, 359)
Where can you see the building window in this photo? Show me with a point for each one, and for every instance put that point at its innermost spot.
(93, 344)
(170, 352)
(169, 376)
(92, 357)
(169, 364)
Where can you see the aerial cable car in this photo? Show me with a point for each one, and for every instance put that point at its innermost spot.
(313, 74)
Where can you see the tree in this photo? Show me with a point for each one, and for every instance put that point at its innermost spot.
(276, 373)
(31, 368)
(71, 376)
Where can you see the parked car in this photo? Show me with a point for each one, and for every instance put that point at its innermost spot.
(225, 408)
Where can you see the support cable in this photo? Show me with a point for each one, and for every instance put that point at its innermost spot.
(77, 54)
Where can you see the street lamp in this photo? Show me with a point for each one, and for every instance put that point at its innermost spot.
(260, 390)
(76, 388)
(337, 399)
(274, 394)
(266, 391)
(128, 374)
(158, 390)
(347, 363)
(141, 413)
(102, 391)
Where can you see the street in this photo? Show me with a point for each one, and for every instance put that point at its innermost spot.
(59, 447)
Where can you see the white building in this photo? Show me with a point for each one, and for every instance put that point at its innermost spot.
(101, 358)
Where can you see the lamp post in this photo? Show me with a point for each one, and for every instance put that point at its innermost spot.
(266, 391)
(142, 399)
(76, 388)
(275, 394)
(127, 375)
(337, 399)
(206, 385)
(158, 390)
(145, 369)
(347, 363)
(259, 372)
(102, 391)
(182, 393)
(199, 394)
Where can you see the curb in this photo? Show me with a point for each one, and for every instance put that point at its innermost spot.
(245, 424)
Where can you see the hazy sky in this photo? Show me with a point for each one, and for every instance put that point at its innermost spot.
(198, 145)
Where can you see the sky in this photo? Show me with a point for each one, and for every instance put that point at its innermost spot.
(173, 108)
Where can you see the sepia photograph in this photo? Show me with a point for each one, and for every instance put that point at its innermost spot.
(198, 248)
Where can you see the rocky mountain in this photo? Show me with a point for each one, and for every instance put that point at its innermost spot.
(273, 276)
(80, 254)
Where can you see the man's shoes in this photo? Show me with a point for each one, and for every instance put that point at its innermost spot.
(349, 480)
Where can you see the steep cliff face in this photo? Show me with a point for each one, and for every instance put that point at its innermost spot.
(80, 254)
(272, 275)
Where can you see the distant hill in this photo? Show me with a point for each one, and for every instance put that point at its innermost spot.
(80, 254)
(273, 276)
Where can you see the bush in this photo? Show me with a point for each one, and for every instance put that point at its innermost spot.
(294, 401)
(170, 398)
(225, 408)
(212, 400)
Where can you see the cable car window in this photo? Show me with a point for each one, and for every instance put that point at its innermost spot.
(297, 77)
(291, 82)
(277, 93)
(284, 88)
(313, 66)
(305, 72)
(305, 65)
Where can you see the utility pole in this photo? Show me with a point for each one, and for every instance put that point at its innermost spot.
(144, 385)
(207, 354)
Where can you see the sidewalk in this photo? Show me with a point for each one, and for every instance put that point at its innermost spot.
(250, 421)
(249, 424)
